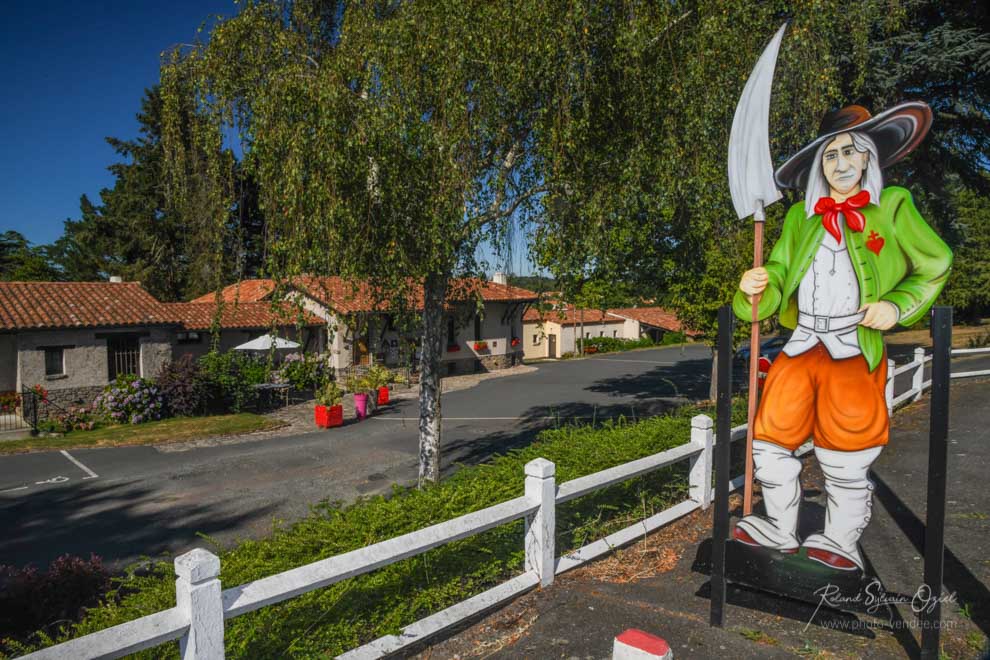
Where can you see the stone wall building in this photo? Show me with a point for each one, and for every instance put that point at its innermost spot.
(550, 334)
(361, 330)
(72, 338)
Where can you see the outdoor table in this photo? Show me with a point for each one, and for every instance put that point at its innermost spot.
(271, 389)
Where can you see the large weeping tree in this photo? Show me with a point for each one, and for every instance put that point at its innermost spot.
(387, 140)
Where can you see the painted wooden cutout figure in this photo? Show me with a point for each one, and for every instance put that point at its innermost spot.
(853, 259)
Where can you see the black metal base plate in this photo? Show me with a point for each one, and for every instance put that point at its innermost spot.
(798, 577)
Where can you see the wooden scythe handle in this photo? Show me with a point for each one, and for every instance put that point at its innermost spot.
(754, 360)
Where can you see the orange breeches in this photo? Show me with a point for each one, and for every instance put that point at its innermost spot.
(838, 402)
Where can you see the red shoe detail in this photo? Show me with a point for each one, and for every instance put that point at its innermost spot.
(741, 536)
(831, 559)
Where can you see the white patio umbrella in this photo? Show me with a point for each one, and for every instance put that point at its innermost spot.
(265, 342)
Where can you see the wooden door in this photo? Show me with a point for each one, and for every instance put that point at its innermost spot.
(552, 346)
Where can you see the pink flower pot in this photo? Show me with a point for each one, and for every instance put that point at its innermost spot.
(361, 405)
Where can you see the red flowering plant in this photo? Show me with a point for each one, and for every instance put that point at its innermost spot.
(480, 345)
(41, 392)
(515, 341)
(9, 402)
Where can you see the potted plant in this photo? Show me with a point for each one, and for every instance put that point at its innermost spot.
(379, 378)
(480, 345)
(514, 342)
(329, 412)
(359, 387)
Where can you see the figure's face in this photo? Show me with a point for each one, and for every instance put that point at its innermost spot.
(843, 165)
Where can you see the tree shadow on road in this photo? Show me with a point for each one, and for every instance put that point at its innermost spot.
(464, 445)
(121, 523)
(687, 379)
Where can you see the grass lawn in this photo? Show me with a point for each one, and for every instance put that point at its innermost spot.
(176, 429)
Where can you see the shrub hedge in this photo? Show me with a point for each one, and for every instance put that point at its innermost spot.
(337, 618)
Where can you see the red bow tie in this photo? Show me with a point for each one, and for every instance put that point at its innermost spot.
(830, 210)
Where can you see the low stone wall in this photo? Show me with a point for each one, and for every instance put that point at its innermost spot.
(74, 396)
(482, 363)
(59, 400)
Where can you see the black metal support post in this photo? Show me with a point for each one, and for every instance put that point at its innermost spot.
(938, 450)
(723, 448)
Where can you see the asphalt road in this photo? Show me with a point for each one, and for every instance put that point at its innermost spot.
(128, 502)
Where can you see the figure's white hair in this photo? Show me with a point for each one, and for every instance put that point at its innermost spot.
(872, 178)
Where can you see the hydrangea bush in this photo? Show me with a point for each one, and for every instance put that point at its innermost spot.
(304, 371)
(131, 400)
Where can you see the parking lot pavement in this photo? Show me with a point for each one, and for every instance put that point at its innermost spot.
(136, 501)
(143, 501)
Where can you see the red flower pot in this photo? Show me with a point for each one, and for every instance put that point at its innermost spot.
(335, 416)
(320, 413)
(453, 348)
(382, 396)
(329, 416)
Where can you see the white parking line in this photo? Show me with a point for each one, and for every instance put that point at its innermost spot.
(11, 490)
(92, 475)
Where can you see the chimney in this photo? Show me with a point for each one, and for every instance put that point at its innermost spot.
(116, 279)
(500, 278)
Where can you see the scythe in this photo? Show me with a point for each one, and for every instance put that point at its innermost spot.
(752, 186)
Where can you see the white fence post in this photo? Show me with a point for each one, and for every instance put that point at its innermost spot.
(918, 377)
(889, 390)
(541, 487)
(700, 477)
(197, 592)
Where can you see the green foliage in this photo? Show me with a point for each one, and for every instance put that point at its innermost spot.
(379, 376)
(20, 261)
(131, 232)
(968, 289)
(304, 371)
(329, 394)
(638, 188)
(332, 620)
(231, 376)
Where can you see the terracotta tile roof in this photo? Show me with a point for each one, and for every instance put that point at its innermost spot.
(247, 291)
(569, 316)
(350, 296)
(28, 305)
(655, 316)
(199, 316)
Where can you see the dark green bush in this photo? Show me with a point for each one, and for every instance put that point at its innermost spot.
(231, 377)
(185, 387)
(329, 621)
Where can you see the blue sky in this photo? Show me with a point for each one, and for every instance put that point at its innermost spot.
(73, 73)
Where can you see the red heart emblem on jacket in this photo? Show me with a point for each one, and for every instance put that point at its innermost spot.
(875, 243)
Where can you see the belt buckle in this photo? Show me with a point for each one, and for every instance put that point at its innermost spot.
(821, 324)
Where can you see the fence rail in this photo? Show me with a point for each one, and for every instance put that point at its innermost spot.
(201, 606)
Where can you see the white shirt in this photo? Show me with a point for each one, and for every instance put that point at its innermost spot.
(828, 289)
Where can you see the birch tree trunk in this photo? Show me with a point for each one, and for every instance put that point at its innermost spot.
(434, 294)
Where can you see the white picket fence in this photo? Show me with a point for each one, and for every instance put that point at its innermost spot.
(197, 620)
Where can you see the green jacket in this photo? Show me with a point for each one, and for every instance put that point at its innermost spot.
(897, 258)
